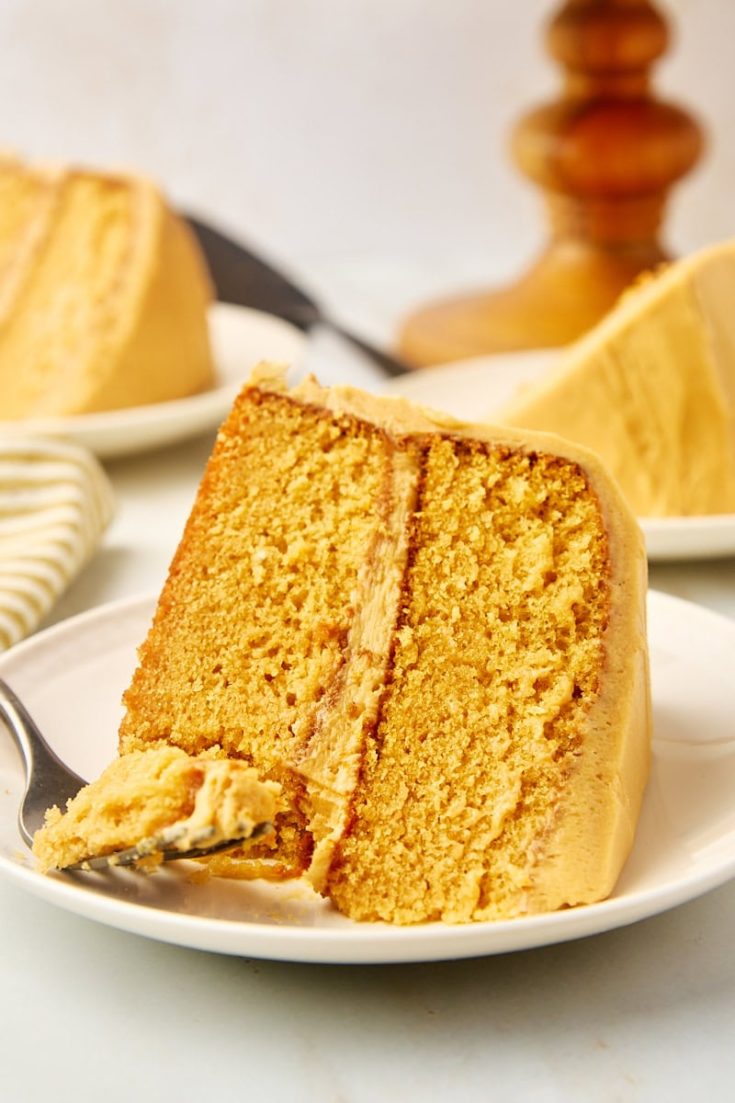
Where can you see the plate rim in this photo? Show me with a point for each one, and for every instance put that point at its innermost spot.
(351, 943)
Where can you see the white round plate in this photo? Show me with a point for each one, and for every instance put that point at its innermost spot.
(72, 676)
(240, 338)
(472, 389)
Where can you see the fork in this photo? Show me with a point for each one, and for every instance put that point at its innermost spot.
(49, 781)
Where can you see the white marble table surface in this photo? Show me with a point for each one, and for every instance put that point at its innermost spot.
(90, 1013)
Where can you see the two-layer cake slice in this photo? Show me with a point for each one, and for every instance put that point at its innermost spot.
(432, 635)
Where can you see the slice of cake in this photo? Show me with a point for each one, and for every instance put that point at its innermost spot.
(431, 635)
(652, 389)
(103, 295)
(149, 795)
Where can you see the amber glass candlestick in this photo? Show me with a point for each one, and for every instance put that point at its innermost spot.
(605, 155)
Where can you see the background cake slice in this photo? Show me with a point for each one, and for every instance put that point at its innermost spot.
(432, 635)
(652, 389)
(103, 295)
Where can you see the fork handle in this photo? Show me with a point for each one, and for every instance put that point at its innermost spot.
(48, 780)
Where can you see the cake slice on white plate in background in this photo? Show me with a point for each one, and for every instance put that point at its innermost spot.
(103, 294)
(651, 389)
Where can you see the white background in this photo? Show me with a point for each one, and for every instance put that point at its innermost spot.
(363, 142)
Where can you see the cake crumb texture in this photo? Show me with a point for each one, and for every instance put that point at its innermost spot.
(250, 633)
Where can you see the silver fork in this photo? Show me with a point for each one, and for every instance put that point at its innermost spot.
(49, 781)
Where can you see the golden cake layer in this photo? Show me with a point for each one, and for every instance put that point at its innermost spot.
(652, 389)
(432, 635)
(146, 794)
(103, 295)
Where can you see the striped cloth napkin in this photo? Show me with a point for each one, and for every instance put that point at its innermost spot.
(55, 503)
